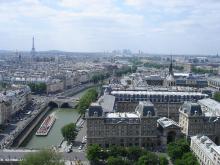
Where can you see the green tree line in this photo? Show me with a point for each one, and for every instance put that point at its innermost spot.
(180, 153)
(161, 66)
(43, 157)
(202, 70)
(38, 87)
(100, 77)
(125, 70)
(117, 155)
(85, 101)
(217, 96)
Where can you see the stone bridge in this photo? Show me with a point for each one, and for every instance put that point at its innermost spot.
(62, 102)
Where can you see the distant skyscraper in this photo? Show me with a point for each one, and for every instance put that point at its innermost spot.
(33, 52)
(19, 57)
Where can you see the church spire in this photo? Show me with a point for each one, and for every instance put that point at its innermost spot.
(171, 66)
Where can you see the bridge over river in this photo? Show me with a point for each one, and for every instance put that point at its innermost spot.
(47, 104)
(62, 102)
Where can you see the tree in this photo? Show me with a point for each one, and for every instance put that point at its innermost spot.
(43, 157)
(38, 87)
(177, 149)
(99, 77)
(116, 161)
(94, 153)
(125, 69)
(163, 160)
(86, 100)
(179, 162)
(217, 96)
(189, 159)
(134, 153)
(179, 152)
(117, 151)
(69, 132)
(149, 158)
(203, 70)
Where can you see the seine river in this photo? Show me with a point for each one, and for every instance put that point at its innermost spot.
(63, 116)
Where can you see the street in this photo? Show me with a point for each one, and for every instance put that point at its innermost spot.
(19, 120)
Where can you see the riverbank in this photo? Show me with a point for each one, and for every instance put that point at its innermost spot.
(63, 116)
(54, 138)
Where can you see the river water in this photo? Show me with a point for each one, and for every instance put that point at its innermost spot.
(63, 116)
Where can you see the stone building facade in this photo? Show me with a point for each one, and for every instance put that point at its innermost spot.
(194, 120)
(206, 151)
(169, 130)
(166, 103)
(13, 100)
(137, 128)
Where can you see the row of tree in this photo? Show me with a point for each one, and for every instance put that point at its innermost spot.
(117, 155)
(100, 77)
(161, 66)
(136, 61)
(125, 70)
(217, 96)
(180, 153)
(38, 88)
(47, 157)
(84, 102)
(202, 70)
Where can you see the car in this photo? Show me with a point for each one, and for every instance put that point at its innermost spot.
(69, 150)
(80, 147)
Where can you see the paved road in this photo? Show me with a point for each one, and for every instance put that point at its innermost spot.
(72, 91)
(81, 133)
(19, 154)
(18, 121)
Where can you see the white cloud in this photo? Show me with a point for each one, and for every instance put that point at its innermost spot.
(104, 24)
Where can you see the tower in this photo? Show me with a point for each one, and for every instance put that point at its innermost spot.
(171, 67)
(19, 57)
(170, 80)
(33, 48)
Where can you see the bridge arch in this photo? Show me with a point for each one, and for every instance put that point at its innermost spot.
(65, 105)
(53, 104)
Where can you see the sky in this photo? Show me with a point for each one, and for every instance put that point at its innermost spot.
(152, 26)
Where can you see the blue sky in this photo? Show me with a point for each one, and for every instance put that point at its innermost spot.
(158, 26)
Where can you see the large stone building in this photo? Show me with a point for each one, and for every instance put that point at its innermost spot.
(13, 100)
(139, 127)
(5, 107)
(167, 103)
(206, 151)
(55, 86)
(214, 82)
(195, 119)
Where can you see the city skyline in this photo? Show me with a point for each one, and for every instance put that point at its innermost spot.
(177, 27)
